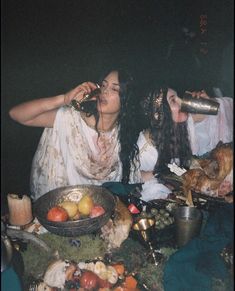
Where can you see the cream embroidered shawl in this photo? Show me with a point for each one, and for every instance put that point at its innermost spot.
(70, 153)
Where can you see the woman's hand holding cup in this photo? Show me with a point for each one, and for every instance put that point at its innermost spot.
(79, 92)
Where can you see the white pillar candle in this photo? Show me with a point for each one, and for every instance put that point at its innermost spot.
(20, 209)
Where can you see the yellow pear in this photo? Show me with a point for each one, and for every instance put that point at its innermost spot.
(85, 205)
(71, 208)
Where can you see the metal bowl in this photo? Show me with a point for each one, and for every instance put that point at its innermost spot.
(100, 196)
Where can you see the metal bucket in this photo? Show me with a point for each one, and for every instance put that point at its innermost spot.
(188, 222)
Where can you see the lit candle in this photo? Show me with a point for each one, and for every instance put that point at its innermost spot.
(20, 209)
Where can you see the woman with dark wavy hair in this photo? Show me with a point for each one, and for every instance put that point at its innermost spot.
(167, 128)
(80, 147)
(164, 141)
(173, 136)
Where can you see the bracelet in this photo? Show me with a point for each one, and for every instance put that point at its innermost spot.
(65, 104)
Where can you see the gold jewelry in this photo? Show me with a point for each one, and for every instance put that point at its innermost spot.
(64, 100)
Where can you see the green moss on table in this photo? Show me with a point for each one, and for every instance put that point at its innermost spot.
(36, 260)
(131, 253)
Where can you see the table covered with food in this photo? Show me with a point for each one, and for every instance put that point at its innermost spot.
(87, 237)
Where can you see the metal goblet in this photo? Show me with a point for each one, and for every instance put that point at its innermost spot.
(145, 228)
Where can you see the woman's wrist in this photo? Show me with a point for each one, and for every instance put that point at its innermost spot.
(54, 102)
(146, 175)
(65, 101)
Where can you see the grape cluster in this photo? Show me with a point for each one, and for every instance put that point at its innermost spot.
(162, 217)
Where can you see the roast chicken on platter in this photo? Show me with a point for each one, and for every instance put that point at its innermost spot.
(212, 176)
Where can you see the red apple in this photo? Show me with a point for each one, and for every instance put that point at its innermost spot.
(97, 210)
(89, 280)
(57, 214)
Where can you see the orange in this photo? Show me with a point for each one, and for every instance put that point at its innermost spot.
(130, 282)
(120, 269)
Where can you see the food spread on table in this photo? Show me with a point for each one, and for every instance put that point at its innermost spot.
(92, 275)
(124, 222)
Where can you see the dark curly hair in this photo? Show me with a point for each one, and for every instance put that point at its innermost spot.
(128, 121)
(170, 138)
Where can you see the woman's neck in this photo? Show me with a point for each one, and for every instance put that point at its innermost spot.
(105, 123)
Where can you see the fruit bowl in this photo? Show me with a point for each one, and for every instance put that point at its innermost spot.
(100, 195)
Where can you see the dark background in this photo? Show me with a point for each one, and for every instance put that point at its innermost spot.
(50, 46)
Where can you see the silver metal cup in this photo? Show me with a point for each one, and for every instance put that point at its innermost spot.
(199, 105)
(188, 222)
(6, 252)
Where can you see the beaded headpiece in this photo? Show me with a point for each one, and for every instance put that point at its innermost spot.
(153, 107)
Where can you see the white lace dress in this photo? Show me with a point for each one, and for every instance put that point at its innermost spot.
(71, 153)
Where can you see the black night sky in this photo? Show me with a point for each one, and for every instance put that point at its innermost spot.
(50, 46)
